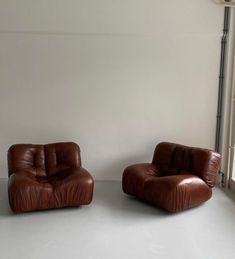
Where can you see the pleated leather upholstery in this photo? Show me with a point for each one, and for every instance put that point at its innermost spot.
(178, 178)
(47, 176)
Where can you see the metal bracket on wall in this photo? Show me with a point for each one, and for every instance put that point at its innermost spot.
(226, 3)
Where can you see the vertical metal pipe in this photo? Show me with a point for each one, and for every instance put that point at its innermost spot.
(221, 77)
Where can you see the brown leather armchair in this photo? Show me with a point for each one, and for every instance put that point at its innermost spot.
(47, 176)
(178, 178)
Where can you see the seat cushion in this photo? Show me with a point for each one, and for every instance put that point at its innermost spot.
(71, 187)
(26, 193)
(176, 193)
(173, 193)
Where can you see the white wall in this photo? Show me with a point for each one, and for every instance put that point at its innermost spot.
(115, 76)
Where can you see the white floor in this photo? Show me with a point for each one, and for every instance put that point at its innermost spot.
(116, 226)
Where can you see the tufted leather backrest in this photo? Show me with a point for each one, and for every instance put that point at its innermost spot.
(43, 160)
(61, 156)
(26, 158)
(178, 159)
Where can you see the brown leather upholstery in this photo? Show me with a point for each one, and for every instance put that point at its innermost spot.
(178, 178)
(47, 176)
